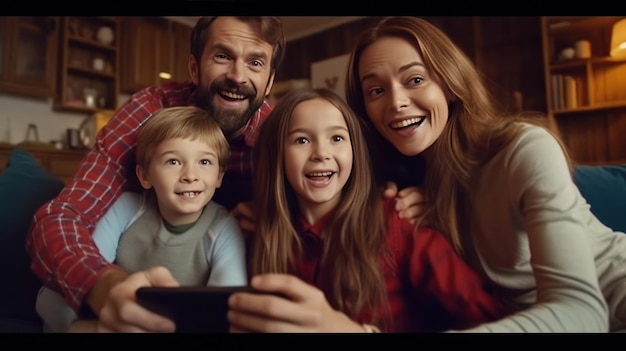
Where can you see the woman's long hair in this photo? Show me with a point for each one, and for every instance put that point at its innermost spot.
(475, 130)
(354, 239)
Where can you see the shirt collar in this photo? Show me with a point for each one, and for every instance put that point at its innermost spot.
(316, 228)
(250, 130)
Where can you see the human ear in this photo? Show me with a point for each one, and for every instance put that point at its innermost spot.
(192, 67)
(142, 176)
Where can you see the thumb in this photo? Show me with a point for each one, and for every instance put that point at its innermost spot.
(390, 191)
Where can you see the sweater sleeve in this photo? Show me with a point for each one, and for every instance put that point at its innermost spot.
(109, 228)
(568, 297)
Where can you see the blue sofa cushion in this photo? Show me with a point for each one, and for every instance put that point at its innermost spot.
(604, 187)
(24, 187)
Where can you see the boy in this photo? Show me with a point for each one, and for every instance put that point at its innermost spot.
(181, 160)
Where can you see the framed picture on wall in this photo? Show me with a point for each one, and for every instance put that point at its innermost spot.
(330, 73)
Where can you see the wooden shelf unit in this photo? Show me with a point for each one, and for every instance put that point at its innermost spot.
(79, 48)
(586, 96)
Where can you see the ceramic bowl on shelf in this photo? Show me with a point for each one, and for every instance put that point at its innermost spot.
(105, 35)
(568, 53)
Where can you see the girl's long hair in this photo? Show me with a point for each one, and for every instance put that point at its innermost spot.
(475, 130)
(354, 239)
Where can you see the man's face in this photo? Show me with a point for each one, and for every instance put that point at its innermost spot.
(234, 74)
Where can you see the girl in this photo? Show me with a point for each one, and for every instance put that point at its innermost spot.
(500, 187)
(327, 242)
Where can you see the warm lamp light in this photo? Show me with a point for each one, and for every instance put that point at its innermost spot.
(165, 75)
(618, 39)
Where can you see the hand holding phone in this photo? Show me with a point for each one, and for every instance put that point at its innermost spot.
(193, 309)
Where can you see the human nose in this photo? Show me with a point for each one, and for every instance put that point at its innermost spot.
(236, 72)
(399, 98)
(188, 174)
(320, 152)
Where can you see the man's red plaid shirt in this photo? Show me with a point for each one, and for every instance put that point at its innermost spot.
(64, 255)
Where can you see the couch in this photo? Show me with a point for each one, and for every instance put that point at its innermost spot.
(25, 186)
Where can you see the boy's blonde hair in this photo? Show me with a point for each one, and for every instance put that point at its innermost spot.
(181, 122)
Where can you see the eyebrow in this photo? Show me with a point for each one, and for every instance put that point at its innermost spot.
(402, 69)
(255, 54)
(306, 131)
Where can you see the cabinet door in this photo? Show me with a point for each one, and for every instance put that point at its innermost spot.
(28, 51)
(182, 50)
(147, 51)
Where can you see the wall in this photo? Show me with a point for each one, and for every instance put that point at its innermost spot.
(16, 113)
(506, 49)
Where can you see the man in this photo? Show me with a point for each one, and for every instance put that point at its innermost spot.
(232, 66)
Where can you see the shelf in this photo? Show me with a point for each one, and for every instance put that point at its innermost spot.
(82, 87)
(565, 25)
(91, 72)
(74, 39)
(596, 107)
(69, 107)
(578, 63)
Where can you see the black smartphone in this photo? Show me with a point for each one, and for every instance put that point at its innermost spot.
(193, 309)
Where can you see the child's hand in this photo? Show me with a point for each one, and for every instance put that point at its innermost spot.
(305, 309)
(410, 202)
(246, 217)
(122, 313)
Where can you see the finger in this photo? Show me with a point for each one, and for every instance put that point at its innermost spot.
(285, 284)
(258, 312)
(414, 192)
(412, 212)
(258, 323)
(154, 276)
(390, 191)
(246, 209)
(409, 197)
(246, 225)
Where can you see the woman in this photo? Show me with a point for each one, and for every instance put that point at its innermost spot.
(500, 187)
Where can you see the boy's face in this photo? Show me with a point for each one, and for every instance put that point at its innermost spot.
(184, 174)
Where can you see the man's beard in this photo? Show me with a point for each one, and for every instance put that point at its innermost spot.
(230, 120)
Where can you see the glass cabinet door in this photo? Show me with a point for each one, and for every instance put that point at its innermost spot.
(29, 51)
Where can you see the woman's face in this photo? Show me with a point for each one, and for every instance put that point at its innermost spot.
(402, 98)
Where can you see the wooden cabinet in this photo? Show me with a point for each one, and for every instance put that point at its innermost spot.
(155, 51)
(182, 51)
(586, 88)
(89, 64)
(28, 54)
(60, 163)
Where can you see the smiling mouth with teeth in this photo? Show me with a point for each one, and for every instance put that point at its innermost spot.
(416, 121)
(320, 175)
(189, 193)
(231, 95)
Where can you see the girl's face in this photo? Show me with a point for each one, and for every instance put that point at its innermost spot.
(184, 174)
(402, 99)
(318, 156)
